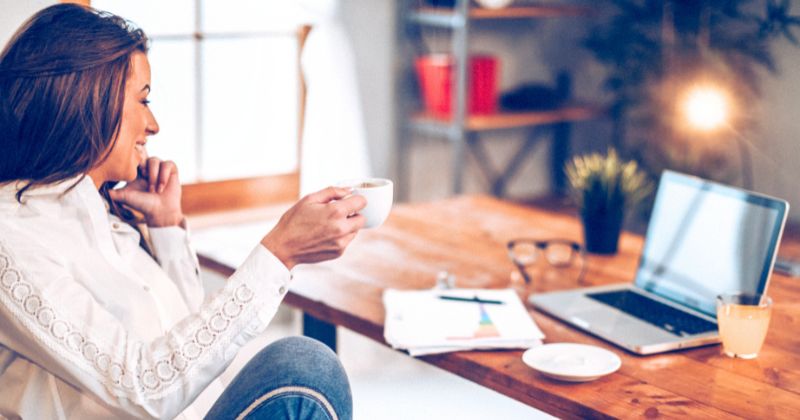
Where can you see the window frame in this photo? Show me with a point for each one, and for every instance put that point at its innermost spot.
(203, 197)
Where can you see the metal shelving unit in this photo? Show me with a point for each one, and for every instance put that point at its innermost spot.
(463, 131)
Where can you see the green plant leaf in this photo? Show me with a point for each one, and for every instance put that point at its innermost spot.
(602, 183)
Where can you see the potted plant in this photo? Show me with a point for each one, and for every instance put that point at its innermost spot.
(604, 187)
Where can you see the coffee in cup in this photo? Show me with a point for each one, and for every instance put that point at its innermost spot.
(379, 193)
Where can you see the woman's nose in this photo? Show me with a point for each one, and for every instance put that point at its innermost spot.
(152, 125)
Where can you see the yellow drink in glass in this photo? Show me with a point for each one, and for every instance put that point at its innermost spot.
(743, 320)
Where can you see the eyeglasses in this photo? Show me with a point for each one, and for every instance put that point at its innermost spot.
(559, 253)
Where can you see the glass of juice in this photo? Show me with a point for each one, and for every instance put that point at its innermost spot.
(743, 319)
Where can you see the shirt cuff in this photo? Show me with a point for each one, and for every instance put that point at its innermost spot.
(169, 242)
(266, 275)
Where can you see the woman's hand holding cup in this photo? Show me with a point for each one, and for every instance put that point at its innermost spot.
(317, 228)
(379, 193)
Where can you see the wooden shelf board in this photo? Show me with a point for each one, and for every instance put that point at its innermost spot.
(514, 12)
(533, 11)
(503, 120)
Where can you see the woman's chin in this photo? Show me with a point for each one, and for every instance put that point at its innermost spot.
(132, 176)
(127, 176)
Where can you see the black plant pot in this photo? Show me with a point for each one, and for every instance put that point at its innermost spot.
(601, 230)
(442, 3)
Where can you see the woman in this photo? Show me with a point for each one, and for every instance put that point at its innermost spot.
(93, 323)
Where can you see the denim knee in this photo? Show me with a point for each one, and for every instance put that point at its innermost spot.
(303, 361)
(294, 368)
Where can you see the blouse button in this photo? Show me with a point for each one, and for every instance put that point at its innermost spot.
(282, 290)
(115, 225)
(146, 288)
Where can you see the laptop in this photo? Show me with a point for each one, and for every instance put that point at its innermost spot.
(703, 239)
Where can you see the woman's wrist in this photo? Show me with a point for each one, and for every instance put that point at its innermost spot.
(274, 247)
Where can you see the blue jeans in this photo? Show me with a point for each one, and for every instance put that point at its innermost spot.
(292, 378)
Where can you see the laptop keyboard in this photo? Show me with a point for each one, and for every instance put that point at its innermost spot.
(663, 316)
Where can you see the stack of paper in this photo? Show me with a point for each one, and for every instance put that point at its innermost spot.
(440, 321)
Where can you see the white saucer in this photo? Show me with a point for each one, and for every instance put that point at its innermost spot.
(572, 362)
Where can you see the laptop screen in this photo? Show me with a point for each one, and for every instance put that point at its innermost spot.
(704, 239)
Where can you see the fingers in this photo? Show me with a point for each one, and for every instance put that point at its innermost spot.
(139, 184)
(153, 167)
(353, 223)
(317, 228)
(167, 171)
(129, 196)
(351, 205)
(328, 194)
(158, 173)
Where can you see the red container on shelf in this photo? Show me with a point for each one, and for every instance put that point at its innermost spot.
(435, 75)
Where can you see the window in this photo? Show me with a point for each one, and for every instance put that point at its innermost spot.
(225, 84)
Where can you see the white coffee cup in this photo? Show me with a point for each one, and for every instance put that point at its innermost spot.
(379, 193)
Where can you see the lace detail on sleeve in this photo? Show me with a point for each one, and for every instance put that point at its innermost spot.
(38, 315)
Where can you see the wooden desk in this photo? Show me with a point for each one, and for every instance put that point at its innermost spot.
(466, 236)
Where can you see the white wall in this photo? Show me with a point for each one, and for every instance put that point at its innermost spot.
(777, 158)
(14, 12)
(371, 28)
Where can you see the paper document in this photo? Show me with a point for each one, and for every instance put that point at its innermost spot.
(443, 320)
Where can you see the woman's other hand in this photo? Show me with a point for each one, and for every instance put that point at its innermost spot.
(156, 193)
(317, 228)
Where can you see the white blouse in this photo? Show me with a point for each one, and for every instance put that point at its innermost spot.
(92, 327)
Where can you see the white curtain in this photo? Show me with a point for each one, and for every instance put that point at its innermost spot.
(334, 139)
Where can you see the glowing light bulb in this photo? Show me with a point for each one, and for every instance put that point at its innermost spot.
(706, 108)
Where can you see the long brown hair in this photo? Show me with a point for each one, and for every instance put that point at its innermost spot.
(62, 89)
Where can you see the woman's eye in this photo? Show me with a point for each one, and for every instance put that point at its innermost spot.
(146, 102)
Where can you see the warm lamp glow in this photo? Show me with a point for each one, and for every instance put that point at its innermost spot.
(706, 107)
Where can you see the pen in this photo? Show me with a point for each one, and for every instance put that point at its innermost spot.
(474, 299)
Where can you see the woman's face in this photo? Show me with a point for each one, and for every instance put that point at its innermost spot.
(136, 124)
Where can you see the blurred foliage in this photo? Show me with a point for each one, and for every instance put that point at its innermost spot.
(655, 49)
